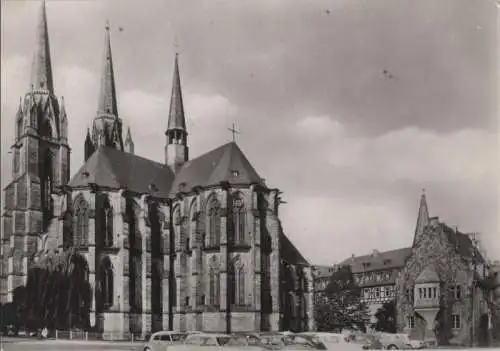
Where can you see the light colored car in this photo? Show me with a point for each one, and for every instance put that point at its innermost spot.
(333, 340)
(159, 340)
(290, 341)
(395, 341)
(217, 342)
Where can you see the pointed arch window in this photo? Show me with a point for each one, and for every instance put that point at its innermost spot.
(213, 223)
(107, 221)
(46, 185)
(192, 225)
(107, 282)
(80, 223)
(238, 220)
(214, 284)
(236, 283)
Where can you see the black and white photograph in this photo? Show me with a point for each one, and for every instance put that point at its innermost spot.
(267, 175)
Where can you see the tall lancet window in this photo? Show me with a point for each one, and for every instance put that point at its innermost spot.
(238, 220)
(107, 218)
(237, 283)
(213, 222)
(80, 222)
(106, 282)
(214, 283)
(46, 185)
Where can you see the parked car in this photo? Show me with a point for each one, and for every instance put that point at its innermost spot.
(159, 340)
(332, 340)
(214, 342)
(395, 341)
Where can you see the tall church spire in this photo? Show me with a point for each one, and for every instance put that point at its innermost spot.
(423, 217)
(107, 97)
(107, 126)
(176, 118)
(176, 150)
(41, 72)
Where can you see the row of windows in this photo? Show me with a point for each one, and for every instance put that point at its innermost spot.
(382, 293)
(378, 277)
(455, 322)
(455, 293)
(427, 293)
(236, 225)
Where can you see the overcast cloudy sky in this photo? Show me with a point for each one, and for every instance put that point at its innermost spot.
(350, 107)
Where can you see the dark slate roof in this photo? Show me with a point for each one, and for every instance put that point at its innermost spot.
(462, 242)
(379, 260)
(215, 167)
(109, 167)
(289, 252)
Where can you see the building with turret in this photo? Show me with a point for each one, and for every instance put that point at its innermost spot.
(434, 283)
(184, 244)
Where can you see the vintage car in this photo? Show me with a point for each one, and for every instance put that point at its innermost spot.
(332, 340)
(395, 341)
(218, 342)
(159, 340)
(291, 341)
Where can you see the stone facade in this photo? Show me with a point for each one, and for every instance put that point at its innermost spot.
(444, 314)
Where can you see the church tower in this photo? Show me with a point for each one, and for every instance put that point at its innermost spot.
(176, 150)
(107, 126)
(40, 166)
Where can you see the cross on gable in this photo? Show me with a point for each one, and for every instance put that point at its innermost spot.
(234, 131)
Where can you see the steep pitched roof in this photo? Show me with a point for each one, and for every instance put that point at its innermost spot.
(378, 260)
(227, 163)
(113, 168)
(289, 252)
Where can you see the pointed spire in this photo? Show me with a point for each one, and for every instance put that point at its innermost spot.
(176, 118)
(20, 108)
(107, 97)
(89, 146)
(41, 74)
(423, 217)
(129, 143)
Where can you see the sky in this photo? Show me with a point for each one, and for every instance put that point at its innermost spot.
(350, 107)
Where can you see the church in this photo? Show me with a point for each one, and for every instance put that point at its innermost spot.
(184, 244)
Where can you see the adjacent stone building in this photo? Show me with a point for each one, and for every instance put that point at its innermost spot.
(433, 283)
(186, 244)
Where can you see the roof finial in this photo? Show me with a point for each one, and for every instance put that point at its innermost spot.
(234, 131)
(107, 25)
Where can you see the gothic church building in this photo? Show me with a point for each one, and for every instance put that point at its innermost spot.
(188, 244)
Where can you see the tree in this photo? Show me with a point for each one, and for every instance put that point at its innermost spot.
(341, 306)
(58, 295)
(386, 318)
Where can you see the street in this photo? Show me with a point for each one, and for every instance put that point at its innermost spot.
(18, 344)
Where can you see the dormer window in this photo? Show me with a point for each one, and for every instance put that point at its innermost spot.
(85, 174)
(152, 187)
(235, 173)
(182, 186)
(366, 265)
(387, 261)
